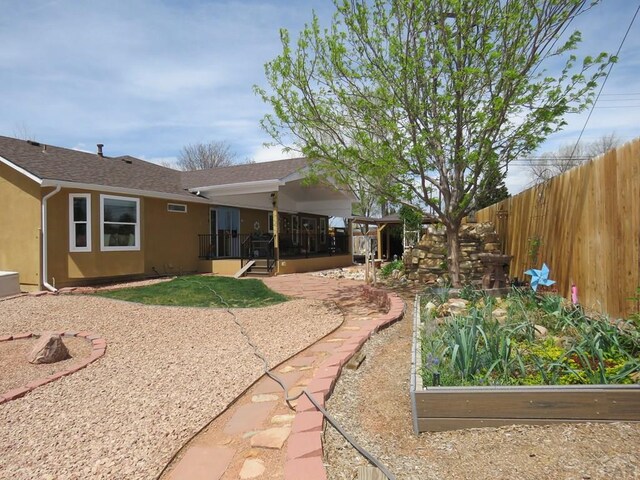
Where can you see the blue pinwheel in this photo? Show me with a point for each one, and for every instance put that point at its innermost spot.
(540, 277)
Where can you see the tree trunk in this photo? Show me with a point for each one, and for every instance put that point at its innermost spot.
(453, 246)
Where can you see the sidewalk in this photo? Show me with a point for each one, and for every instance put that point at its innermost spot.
(259, 436)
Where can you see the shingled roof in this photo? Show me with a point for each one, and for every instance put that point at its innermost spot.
(52, 163)
(250, 172)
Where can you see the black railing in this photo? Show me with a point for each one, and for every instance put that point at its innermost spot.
(259, 247)
(222, 245)
(251, 247)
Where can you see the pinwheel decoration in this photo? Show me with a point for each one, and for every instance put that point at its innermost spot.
(540, 277)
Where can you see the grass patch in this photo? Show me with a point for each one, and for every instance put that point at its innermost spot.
(196, 291)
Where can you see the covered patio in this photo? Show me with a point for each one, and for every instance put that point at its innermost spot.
(275, 223)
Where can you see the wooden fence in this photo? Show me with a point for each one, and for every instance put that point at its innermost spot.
(585, 225)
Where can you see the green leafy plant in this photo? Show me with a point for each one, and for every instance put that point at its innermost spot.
(533, 248)
(388, 269)
(475, 349)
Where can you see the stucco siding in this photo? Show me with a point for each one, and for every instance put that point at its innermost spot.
(168, 242)
(171, 238)
(20, 227)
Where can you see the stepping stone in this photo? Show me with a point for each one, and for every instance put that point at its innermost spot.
(252, 468)
(283, 418)
(335, 340)
(200, 463)
(268, 385)
(250, 416)
(264, 397)
(351, 328)
(302, 361)
(271, 438)
(287, 369)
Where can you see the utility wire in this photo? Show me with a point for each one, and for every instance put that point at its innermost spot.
(605, 80)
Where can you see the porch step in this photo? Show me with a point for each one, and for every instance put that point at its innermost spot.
(244, 269)
(260, 268)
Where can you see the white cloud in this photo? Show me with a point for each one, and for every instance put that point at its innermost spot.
(146, 78)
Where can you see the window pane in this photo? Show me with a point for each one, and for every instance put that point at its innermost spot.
(116, 210)
(79, 209)
(81, 234)
(119, 235)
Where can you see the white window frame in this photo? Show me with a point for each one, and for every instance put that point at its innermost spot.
(72, 223)
(128, 248)
(182, 207)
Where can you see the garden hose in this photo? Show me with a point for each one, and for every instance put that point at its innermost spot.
(288, 399)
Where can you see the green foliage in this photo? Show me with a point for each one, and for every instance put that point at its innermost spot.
(425, 99)
(387, 269)
(635, 317)
(534, 243)
(200, 291)
(411, 217)
(474, 349)
(492, 188)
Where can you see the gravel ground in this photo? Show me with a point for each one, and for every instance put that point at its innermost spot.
(166, 373)
(373, 405)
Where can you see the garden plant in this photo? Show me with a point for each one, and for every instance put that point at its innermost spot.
(523, 339)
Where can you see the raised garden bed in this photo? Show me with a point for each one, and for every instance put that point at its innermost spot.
(438, 408)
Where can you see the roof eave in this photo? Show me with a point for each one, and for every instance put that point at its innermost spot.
(122, 190)
(258, 186)
(21, 170)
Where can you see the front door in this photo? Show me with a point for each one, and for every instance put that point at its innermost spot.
(310, 230)
(228, 232)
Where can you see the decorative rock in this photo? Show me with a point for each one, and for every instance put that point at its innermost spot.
(456, 306)
(271, 438)
(252, 468)
(540, 331)
(430, 307)
(287, 418)
(500, 314)
(264, 397)
(48, 349)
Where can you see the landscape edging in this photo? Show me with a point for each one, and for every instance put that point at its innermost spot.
(306, 460)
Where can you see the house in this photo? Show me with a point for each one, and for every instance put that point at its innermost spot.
(72, 218)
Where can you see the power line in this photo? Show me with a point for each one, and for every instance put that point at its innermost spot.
(605, 80)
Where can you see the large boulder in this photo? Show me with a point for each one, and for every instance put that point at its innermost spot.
(48, 349)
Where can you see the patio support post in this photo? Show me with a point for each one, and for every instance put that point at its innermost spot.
(379, 235)
(276, 231)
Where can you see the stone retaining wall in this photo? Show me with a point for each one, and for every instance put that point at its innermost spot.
(428, 261)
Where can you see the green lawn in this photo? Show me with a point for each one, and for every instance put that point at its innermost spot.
(199, 291)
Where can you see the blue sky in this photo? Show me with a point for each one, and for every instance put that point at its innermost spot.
(146, 77)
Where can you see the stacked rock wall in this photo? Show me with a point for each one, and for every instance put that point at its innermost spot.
(427, 262)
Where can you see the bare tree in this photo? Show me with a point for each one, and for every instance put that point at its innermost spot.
(198, 156)
(23, 132)
(550, 164)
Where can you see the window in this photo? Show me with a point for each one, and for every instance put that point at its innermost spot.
(176, 207)
(80, 222)
(270, 222)
(119, 223)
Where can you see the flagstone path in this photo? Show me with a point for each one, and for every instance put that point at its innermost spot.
(259, 436)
